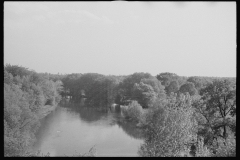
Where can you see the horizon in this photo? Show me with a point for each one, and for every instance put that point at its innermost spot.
(122, 38)
(115, 74)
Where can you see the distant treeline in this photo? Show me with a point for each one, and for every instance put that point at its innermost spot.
(143, 87)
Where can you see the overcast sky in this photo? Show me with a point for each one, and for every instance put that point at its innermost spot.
(120, 38)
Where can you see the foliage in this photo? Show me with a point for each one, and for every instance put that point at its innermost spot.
(69, 84)
(172, 87)
(103, 90)
(215, 112)
(226, 147)
(141, 87)
(201, 149)
(166, 78)
(98, 89)
(188, 87)
(25, 94)
(16, 70)
(172, 122)
(19, 122)
(197, 81)
(133, 111)
(170, 128)
(218, 107)
(144, 94)
(126, 86)
(156, 85)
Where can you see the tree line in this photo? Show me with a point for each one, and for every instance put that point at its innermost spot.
(27, 97)
(180, 116)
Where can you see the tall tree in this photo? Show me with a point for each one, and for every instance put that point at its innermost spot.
(218, 106)
(169, 130)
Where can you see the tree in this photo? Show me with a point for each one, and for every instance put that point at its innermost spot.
(156, 85)
(126, 86)
(25, 92)
(70, 84)
(133, 111)
(144, 94)
(169, 130)
(17, 70)
(172, 87)
(8, 78)
(197, 81)
(103, 91)
(19, 122)
(218, 106)
(188, 87)
(166, 78)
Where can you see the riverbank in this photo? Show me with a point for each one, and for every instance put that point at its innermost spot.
(45, 110)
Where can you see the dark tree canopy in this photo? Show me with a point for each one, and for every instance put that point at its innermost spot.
(166, 77)
(156, 85)
(125, 88)
(188, 87)
(196, 81)
(172, 87)
(144, 94)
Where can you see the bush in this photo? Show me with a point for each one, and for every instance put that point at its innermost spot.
(133, 111)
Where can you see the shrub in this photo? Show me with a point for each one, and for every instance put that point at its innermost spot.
(133, 111)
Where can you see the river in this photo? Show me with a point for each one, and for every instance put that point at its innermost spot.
(74, 128)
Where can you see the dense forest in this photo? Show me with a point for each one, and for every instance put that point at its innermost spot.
(179, 116)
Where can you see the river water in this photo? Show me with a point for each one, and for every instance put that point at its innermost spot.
(74, 128)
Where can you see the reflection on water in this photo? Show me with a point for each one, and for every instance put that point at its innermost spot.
(75, 128)
(130, 129)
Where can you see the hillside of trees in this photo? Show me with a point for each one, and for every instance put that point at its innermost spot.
(28, 97)
(180, 116)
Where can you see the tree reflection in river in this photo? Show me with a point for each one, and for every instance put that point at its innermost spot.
(105, 116)
(87, 113)
(131, 129)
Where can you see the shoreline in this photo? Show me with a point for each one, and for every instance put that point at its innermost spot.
(45, 110)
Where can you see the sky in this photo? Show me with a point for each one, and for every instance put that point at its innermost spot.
(121, 38)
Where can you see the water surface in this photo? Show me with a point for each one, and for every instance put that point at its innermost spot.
(73, 128)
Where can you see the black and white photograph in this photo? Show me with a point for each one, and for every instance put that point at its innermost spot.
(119, 78)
